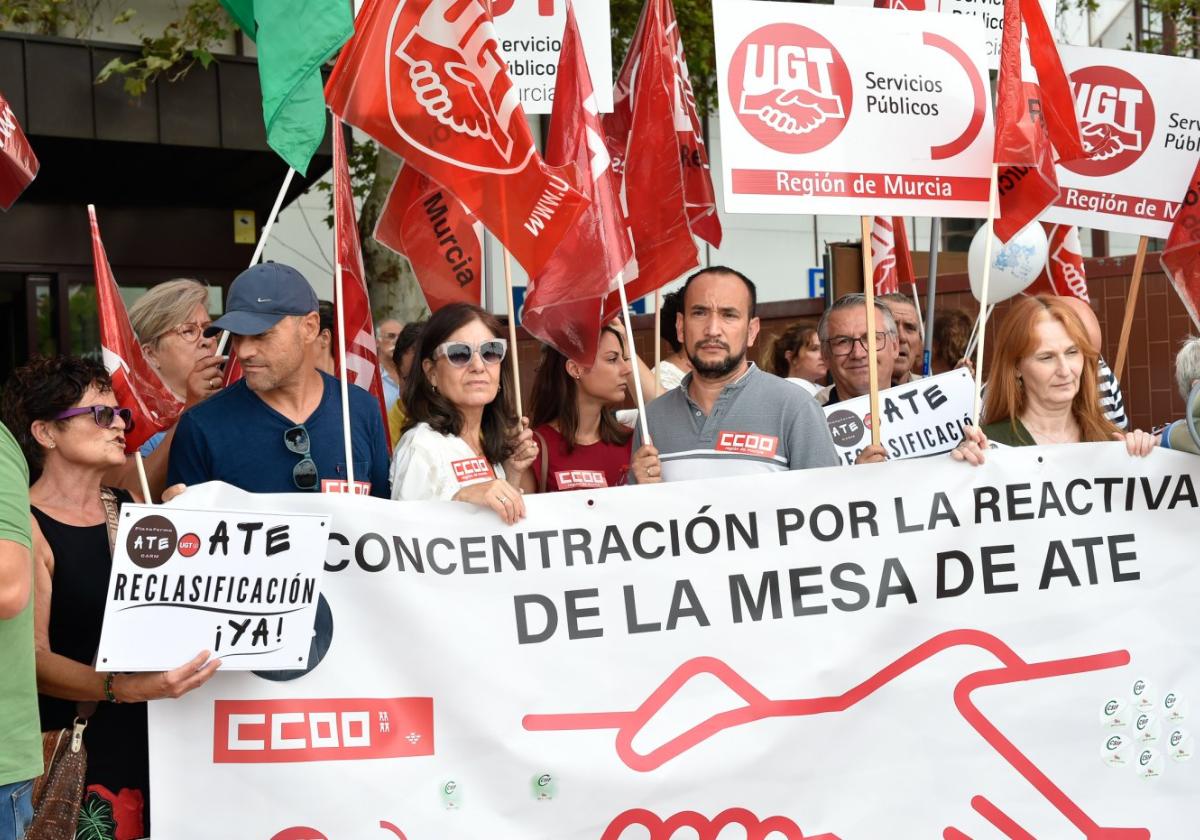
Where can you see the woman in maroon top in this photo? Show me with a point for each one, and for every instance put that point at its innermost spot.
(581, 443)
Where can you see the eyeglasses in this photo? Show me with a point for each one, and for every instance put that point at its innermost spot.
(459, 353)
(843, 345)
(104, 415)
(304, 474)
(190, 332)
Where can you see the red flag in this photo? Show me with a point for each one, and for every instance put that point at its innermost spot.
(1181, 256)
(698, 189)
(428, 225)
(1063, 274)
(565, 300)
(233, 369)
(883, 255)
(904, 264)
(136, 385)
(362, 356)
(18, 165)
(426, 79)
(1032, 120)
(655, 189)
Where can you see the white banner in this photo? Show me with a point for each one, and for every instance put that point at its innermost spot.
(918, 649)
(852, 111)
(989, 12)
(923, 417)
(530, 33)
(242, 585)
(1140, 120)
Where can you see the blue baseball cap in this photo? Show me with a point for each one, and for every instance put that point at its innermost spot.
(261, 296)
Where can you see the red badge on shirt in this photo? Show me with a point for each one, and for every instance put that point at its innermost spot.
(471, 469)
(580, 479)
(748, 443)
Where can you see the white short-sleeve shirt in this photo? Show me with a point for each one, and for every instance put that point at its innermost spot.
(430, 465)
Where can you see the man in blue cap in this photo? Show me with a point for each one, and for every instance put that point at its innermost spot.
(278, 429)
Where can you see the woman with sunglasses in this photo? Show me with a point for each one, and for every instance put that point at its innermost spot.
(460, 440)
(71, 430)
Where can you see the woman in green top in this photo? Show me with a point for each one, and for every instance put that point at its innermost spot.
(1042, 385)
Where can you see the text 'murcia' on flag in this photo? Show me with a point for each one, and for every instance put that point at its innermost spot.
(1181, 255)
(18, 164)
(294, 40)
(136, 385)
(426, 79)
(565, 302)
(441, 240)
(362, 355)
(1033, 120)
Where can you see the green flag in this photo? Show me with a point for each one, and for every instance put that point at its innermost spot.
(294, 39)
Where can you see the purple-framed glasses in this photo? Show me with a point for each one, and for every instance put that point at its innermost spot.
(104, 415)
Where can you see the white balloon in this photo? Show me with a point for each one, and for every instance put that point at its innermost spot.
(1015, 265)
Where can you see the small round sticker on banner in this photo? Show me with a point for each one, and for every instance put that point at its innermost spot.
(1180, 745)
(451, 794)
(1149, 764)
(544, 786)
(1115, 713)
(1174, 706)
(1116, 750)
(1143, 695)
(189, 544)
(1146, 728)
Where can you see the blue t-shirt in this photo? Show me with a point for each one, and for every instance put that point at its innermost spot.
(235, 437)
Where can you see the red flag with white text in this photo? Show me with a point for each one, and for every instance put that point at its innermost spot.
(136, 385)
(18, 164)
(565, 301)
(883, 255)
(699, 197)
(1064, 274)
(426, 79)
(362, 355)
(440, 238)
(1181, 254)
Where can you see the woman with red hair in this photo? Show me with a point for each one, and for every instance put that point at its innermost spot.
(1042, 385)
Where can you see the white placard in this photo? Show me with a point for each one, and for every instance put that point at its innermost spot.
(244, 585)
(852, 111)
(989, 12)
(530, 33)
(1140, 118)
(922, 417)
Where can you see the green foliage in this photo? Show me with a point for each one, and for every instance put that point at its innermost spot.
(49, 17)
(361, 159)
(176, 50)
(695, 23)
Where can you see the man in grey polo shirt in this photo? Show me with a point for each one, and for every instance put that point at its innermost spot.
(728, 417)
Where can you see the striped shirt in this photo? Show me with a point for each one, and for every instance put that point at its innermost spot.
(759, 424)
(1111, 400)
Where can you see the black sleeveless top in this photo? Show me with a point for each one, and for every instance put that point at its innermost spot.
(118, 770)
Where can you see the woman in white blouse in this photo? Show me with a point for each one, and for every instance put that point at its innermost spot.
(460, 439)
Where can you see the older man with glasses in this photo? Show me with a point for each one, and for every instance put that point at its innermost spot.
(279, 428)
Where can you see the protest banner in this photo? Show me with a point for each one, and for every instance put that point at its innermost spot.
(530, 33)
(989, 12)
(852, 111)
(245, 585)
(1140, 122)
(922, 417)
(950, 646)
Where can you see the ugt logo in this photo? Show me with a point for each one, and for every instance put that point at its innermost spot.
(790, 88)
(1116, 117)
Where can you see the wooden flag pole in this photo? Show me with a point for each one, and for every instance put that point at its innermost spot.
(1135, 287)
(657, 341)
(637, 379)
(872, 350)
(141, 471)
(512, 333)
(983, 295)
(340, 302)
(920, 317)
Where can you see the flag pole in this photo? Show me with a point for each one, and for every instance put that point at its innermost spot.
(917, 304)
(637, 379)
(262, 240)
(1135, 287)
(980, 323)
(657, 341)
(141, 471)
(935, 238)
(983, 295)
(340, 301)
(872, 350)
(512, 333)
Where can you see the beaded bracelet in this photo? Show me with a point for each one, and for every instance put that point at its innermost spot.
(108, 692)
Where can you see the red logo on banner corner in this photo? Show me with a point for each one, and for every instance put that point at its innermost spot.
(285, 731)
(790, 88)
(1116, 119)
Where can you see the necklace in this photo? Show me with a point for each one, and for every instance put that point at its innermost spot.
(1070, 435)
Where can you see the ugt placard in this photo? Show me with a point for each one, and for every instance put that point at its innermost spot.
(1140, 121)
(852, 111)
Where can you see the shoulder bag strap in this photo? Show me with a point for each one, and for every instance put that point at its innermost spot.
(543, 461)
